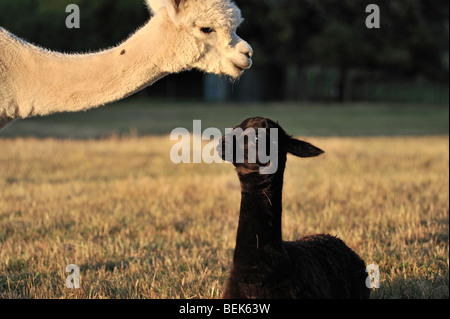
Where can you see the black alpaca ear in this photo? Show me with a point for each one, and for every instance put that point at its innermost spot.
(302, 149)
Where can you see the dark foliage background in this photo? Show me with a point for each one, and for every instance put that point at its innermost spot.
(304, 49)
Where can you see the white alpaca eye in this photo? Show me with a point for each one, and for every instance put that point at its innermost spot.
(207, 30)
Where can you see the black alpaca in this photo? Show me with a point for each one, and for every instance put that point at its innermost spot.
(265, 266)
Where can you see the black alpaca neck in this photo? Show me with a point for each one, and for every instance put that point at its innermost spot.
(260, 216)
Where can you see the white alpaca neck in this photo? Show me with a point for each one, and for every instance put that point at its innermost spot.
(41, 82)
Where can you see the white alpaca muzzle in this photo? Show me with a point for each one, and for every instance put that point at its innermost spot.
(243, 53)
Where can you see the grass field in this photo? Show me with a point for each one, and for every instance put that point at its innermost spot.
(139, 226)
(143, 118)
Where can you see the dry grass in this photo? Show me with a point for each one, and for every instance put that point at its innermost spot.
(141, 227)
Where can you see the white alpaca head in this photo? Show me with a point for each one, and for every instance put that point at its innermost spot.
(205, 36)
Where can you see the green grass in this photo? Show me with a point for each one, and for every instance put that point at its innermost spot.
(150, 118)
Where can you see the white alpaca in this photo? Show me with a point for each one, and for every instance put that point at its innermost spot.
(182, 35)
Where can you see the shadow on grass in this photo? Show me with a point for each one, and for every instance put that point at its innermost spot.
(414, 288)
(139, 118)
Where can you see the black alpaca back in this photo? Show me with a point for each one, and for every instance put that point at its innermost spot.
(314, 267)
(264, 266)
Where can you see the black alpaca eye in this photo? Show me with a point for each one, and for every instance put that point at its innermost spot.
(207, 30)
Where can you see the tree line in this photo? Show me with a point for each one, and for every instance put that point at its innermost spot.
(292, 39)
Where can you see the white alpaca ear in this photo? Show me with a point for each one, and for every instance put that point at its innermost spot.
(174, 7)
(156, 5)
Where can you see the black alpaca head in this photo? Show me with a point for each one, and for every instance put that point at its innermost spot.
(259, 145)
